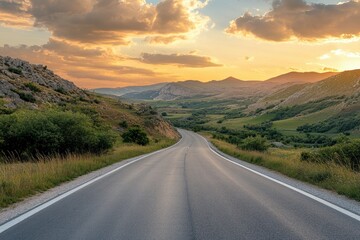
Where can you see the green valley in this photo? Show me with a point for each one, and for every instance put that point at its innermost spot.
(284, 123)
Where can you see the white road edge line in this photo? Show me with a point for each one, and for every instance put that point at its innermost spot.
(41, 207)
(326, 203)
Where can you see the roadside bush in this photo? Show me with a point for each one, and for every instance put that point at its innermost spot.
(255, 144)
(345, 154)
(29, 134)
(136, 135)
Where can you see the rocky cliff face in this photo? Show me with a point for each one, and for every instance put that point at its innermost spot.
(22, 83)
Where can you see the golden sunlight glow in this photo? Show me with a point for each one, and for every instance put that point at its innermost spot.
(121, 43)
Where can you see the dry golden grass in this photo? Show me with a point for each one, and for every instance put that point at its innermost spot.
(21, 180)
(329, 176)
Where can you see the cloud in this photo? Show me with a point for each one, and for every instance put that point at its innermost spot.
(180, 60)
(65, 49)
(297, 19)
(165, 39)
(14, 13)
(14, 6)
(329, 69)
(340, 52)
(84, 64)
(19, 22)
(325, 57)
(108, 21)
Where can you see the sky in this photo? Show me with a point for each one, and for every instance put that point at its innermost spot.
(118, 43)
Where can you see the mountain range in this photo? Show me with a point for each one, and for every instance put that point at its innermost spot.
(345, 84)
(223, 89)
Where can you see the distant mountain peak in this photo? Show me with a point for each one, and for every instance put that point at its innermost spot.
(231, 78)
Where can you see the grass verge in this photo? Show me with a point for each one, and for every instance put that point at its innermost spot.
(21, 180)
(287, 161)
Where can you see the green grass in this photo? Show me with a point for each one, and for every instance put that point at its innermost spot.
(287, 161)
(239, 123)
(292, 124)
(20, 180)
(284, 93)
(174, 116)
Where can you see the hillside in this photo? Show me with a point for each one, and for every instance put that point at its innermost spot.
(344, 84)
(27, 86)
(128, 90)
(24, 84)
(52, 132)
(302, 77)
(223, 89)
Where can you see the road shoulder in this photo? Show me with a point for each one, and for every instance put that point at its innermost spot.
(33, 202)
(331, 197)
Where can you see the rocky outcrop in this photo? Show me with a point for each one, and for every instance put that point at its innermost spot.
(22, 83)
(25, 85)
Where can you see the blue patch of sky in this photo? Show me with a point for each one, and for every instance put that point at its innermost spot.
(223, 11)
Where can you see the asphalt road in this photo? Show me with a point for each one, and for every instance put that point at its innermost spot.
(185, 192)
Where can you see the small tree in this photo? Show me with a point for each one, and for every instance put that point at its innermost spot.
(15, 70)
(255, 144)
(136, 135)
(123, 124)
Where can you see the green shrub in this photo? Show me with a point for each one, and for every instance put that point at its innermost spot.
(33, 87)
(15, 70)
(27, 97)
(310, 107)
(346, 154)
(340, 124)
(33, 133)
(153, 112)
(123, 124)
(164, 114)
(136, 135)
(61, 90)
(255, 144)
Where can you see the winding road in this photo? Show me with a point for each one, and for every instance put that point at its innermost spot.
(185, 192)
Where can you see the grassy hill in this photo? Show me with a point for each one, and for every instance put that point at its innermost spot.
(344, 84)
(52, 131)
(302, 77)
(27, 86)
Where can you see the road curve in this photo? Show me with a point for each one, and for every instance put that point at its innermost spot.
(185, 192)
